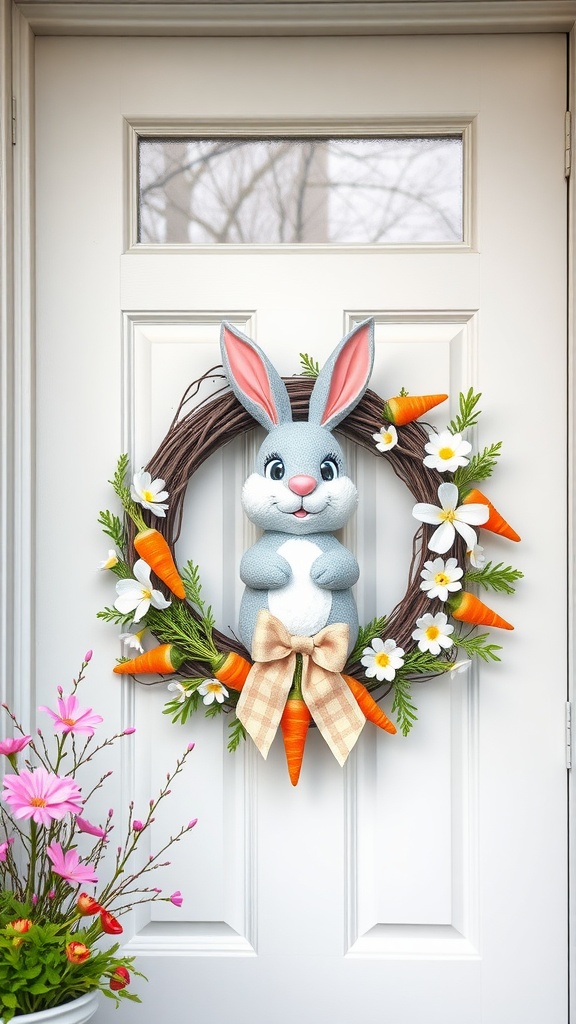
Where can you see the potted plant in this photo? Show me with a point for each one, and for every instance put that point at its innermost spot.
(59, 905)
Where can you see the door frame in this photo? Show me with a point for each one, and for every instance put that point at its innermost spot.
(20, 23)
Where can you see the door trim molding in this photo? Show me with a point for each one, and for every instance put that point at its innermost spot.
(279, 17)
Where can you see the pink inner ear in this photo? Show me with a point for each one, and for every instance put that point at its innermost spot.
(350, 374)
(250, 373)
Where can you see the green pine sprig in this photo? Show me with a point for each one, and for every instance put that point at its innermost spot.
(500, 577)
(403, 705)
(112, 615)
(308, 366)
(475, 645)
(468, 413)
(480, 467)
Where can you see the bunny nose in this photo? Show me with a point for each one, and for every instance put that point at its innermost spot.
(302, 484)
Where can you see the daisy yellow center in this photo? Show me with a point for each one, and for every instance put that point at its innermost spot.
(148, 495)
(382, 659)
(69, 721)
(387, 437)
(441, 579)
(37, 801)
(213, 687)
(432, 632)
(146, 594)
(448, 515)
(446, 453)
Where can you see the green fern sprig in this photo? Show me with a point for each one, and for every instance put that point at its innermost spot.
(112, 615)
(499, 577)
(365, 636)
(480, 467)
(475, 646)
(403, 705)
(113, 527)
(308, 366)
(237, 734)
(468, 413)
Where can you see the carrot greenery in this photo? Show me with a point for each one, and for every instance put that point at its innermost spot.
(113, 527)
(308, 366)
(236, 735)
(365, 635)
(476, 645)
(403, 706)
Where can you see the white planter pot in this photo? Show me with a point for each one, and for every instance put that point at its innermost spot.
(77, 1011)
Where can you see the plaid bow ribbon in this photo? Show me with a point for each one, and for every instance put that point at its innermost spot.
(326, 694)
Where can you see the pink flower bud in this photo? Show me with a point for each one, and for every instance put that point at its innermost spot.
(118, 850)
(128, 732)
(167, 793)
(150, 857)
(190, 746)
(110, 812)
(34, 899)
(51, 894)
(60, 691)
(137, 825)
(88, 656)
(156, 890)
(192, 823)
(151, 802)
(176, 898)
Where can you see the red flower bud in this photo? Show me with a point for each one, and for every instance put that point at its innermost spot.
(109, 924)
(119, 979)
(77, 952)
(21, 925)
(87, 904)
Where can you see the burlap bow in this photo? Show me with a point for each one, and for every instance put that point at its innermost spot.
(326, 694)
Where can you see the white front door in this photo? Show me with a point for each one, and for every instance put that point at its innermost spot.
(427, 880)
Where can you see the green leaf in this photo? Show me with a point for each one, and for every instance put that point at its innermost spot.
(403, 393)
(475, 646)
(403, 705)
(468, 413)
(480, 467)
(365, 636)
(308, 366)
(418, 662)
(237, 734)
(498, 577)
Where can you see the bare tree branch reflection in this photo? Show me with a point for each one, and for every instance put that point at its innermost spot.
(214, 191)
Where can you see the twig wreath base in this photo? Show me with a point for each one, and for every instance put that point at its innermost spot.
(192, 438)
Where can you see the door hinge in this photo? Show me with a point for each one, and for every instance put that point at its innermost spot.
(567, 143)
(13, 120)
(568, 735)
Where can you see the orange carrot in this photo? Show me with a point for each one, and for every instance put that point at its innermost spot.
(405, 408)
(294, 724)
(495, 522)
(368, 705)
(467, 608)
(231, 669)
(154, 549)
(163, 660)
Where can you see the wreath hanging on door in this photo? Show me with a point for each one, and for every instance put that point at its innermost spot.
(301, 658)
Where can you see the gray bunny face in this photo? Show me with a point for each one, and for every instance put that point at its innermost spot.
(300, 485)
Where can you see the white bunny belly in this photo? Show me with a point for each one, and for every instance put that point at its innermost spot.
(301, 605)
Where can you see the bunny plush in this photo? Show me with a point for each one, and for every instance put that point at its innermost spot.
(299, 492)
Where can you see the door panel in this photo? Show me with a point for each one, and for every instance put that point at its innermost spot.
(426, 880)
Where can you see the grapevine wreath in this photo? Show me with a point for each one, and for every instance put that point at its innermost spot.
(432, 630)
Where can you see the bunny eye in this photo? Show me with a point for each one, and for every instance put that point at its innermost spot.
(274, 468)
(329, 469)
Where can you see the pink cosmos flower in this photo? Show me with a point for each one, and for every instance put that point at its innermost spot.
(9, 747)
(41, 796)
(86, 826)
(4, 847)
(68, 865)
(176, 898)
(72, 718)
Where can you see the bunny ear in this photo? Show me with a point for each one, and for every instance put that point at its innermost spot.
(344, 378)
(253, 379)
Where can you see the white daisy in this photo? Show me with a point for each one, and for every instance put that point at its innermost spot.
(446, 451)
(382, 659)
(149, 493)
(452, 518)
(439, 578)
(477, 556)
(182, 692)
(137, 595)
(211, 691)
(133, 640)
(386, 438)
(433, 632)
